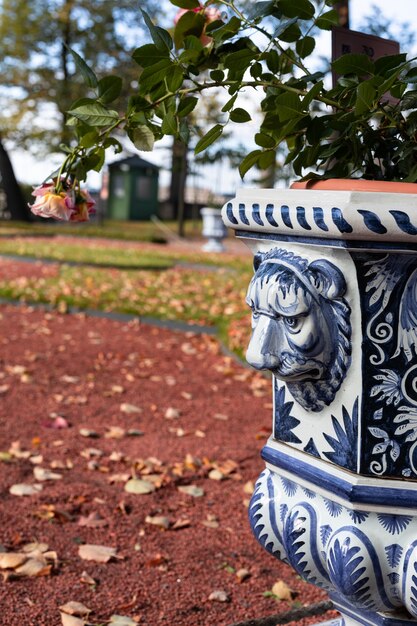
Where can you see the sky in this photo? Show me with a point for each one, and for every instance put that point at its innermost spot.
(30, 170)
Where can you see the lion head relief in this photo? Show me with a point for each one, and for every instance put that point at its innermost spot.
(301, 325)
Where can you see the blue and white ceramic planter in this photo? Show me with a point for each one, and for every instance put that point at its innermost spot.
(334, 314)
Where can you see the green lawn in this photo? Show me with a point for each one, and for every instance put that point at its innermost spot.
(165, 284)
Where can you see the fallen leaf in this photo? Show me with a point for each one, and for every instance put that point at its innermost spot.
(125, 407)
(221, 416)
(211, 521)
(282, 591)
(36, 460)
(87, 579)
(100, 554)
(115, 432)
(33, 567)
(191, 490)
(216, 474)
(71, 620)
(200, 433)
(75, 608)
(23, 489)
(88, 453)
(69, 379)
(157, 560)
(134, 432)
(86, 432)
(139, 486)
(188, 349)
(119, 478)
(181, 523)
(35, 547)
(242, 574)
(10, 560)
(172, 413)
(158, 520)
(249, 487)
(219, 596)
(41, 473)
(92, 520)
(122, 620)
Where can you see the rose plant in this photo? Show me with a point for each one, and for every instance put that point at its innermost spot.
(350, 129)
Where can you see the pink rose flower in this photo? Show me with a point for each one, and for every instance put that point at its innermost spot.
(211, 14)
(70, 205)
(50, 204)
(84, 207)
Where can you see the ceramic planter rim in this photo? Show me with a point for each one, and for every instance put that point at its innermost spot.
(353, 219)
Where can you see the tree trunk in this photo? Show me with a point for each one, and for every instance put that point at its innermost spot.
(178, 179)
(16, 204)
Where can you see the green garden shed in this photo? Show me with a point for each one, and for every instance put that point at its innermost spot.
(133, 189)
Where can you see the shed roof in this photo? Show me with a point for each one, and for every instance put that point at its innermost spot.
(134, 161)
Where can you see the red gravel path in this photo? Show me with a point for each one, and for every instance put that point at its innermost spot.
(83, 369)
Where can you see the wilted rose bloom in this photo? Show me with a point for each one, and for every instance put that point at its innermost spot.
(84, 206)
(211, 14)
(49, 203)
(68, 205)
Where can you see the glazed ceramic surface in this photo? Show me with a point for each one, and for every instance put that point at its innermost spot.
(334, 317)
(213, 229)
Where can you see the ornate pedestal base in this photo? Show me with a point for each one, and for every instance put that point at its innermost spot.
(334, 316)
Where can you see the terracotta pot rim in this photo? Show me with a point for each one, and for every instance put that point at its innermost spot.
(356, 184)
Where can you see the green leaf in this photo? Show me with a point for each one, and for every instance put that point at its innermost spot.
(175, 79)
(260, 8)
(267, 159)
(389, 62)
(365, 97)
(217, 75)
(265, 141)
(229, 104)
(302, 9)
(89, 139)
(273, 61)
(161, 38)
(95, 114)
(149, 54)
(186, 4)
(87, 73)
(225, 31)
(283, 25)
(358, 64)
(288, 106)
(291, 34)
(111, 142)
(109, 88)
(311, 94)
(249, 161)
(189, 24)
(387, 85)
(240, 116)
(186, 105)
(137, 103)
(305, 46)
(239, 60)
(155, 74)
(327, 20)
(209, 138)
(142, 137)
(169, 124)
